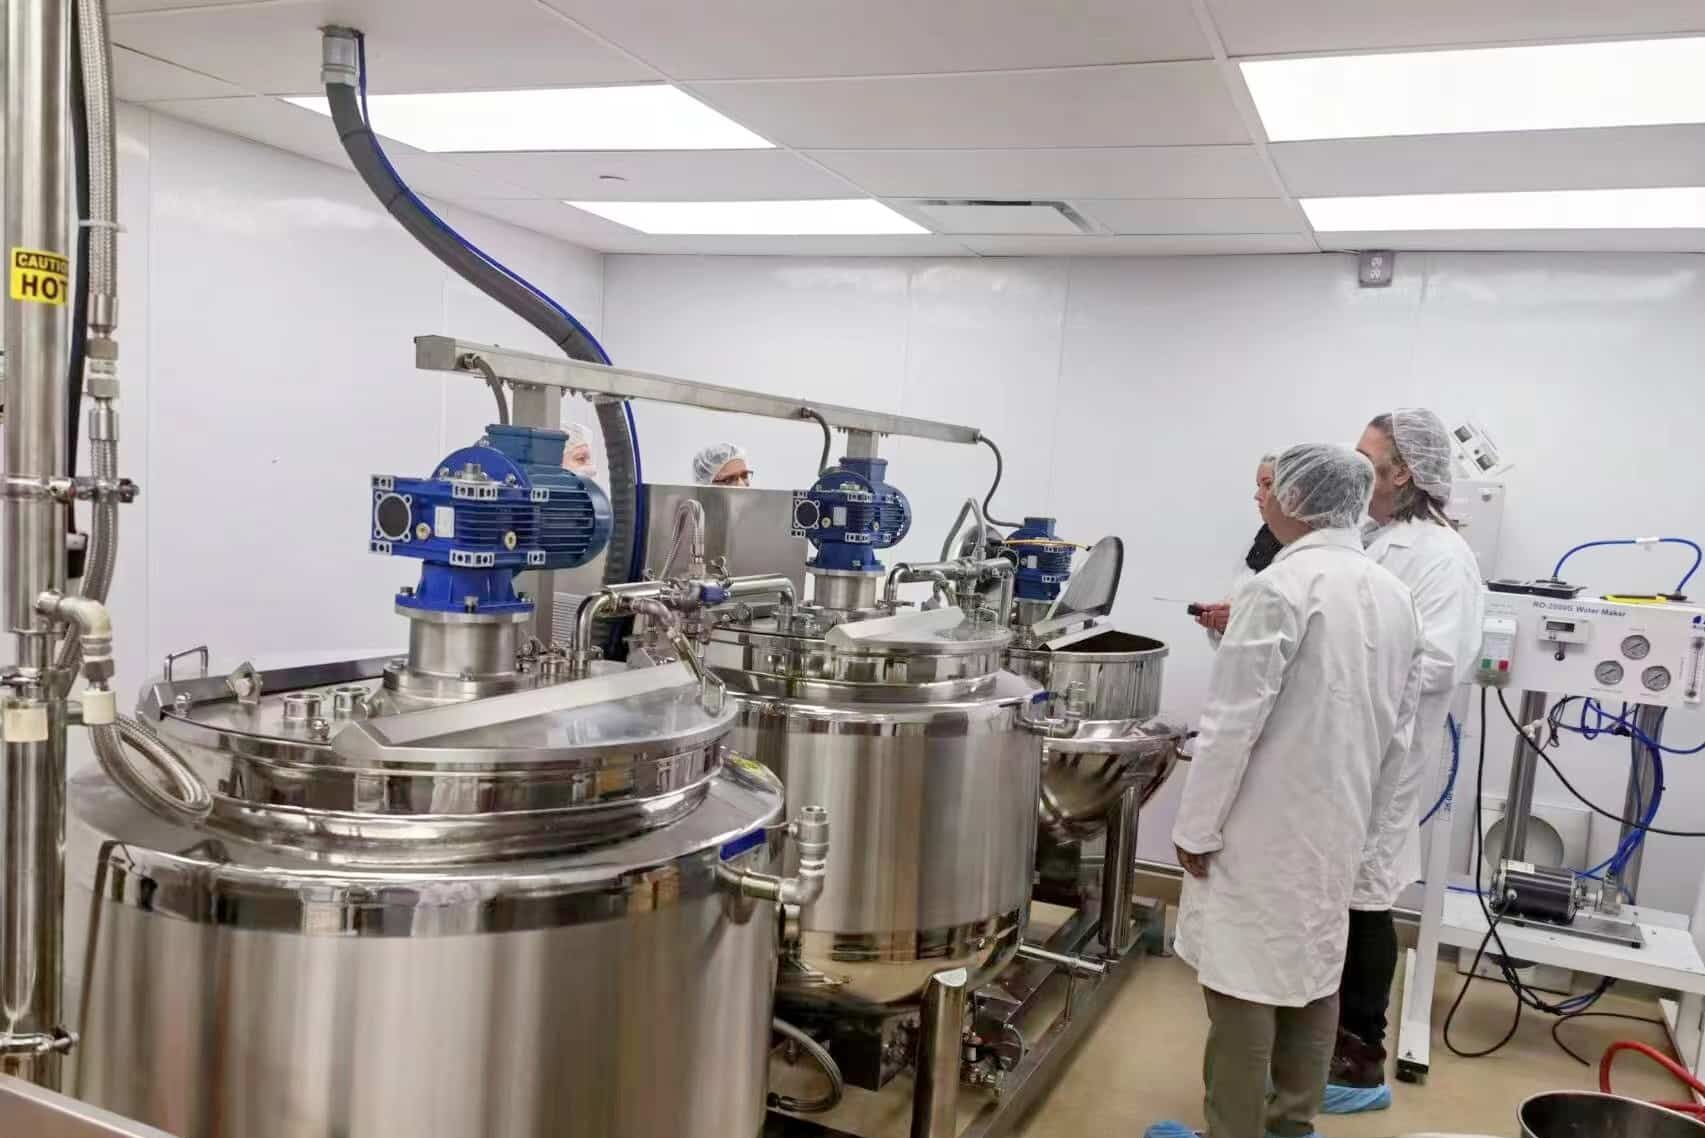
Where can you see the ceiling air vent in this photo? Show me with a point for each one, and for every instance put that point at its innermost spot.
(1004, 217)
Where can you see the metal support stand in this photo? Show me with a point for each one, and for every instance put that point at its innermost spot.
(935, 1101)
(1642, 784)
(1117, 870)
(1524, 766)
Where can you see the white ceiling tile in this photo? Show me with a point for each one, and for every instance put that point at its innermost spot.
(685, 175)
(555, 219)
(412, 45)
(1094, 246)
(1127, 172)
(1559, 240)
(1531, 160)
(986, 217)
(1188, 215)
(788, 38)
(1268, 27)
(1154, 104)
(140, 78)
(303, 132)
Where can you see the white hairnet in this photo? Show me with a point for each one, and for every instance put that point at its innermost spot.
(712, 459)
(1268, 458)
(1423, 443)
(578, 436)
(1323, 485)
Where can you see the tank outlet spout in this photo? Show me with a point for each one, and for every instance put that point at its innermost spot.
(810, 834)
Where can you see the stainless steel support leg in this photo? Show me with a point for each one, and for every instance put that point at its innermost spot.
(1642, 784)
(1518, 801)
(1118, 868)
(935, 1101)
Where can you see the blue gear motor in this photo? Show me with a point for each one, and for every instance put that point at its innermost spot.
(1044, 561)
(849, 513)
(489, 511)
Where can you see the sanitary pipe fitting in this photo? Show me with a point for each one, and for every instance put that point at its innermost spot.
(810, 834)
(94, 627)
(338, 56)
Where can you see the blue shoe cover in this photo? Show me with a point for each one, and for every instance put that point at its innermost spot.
(1355, 1100)
(1170, 1129)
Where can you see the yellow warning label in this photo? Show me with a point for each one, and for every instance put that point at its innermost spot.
(39, 277)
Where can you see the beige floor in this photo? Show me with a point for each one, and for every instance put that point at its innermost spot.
(1142, 1063)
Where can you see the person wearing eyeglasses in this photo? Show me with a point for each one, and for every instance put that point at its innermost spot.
(721, 464)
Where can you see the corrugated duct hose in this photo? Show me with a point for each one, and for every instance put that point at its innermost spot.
(345, 71)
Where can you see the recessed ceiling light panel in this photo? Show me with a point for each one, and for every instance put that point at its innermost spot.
(1681, 207)
(850, 216)
(647, 116)
(1548, 87)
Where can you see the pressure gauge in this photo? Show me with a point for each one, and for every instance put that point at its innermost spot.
(1609, 673)
(1636, 647)
(1656, 678)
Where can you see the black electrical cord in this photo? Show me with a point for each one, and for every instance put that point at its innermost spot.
(1570, 787)
(1571, 1052)
(79, 316)
(828, 439)
(989, 498)
(1525, 996)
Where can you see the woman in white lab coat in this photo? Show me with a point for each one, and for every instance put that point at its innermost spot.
(1411, 453)
(1212, 615)
(1302, 740)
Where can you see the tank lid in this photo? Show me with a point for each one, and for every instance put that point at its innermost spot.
(315, 760)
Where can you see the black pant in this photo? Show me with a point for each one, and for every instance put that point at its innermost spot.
(1370, 963)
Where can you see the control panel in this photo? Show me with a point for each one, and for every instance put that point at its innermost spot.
(1610, 650)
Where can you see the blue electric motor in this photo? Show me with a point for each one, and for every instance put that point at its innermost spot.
(490, 511)
(1044, 561)
(849, 513)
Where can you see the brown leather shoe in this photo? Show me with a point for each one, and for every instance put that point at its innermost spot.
(1356, 1063)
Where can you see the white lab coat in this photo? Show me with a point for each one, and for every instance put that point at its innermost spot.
(1310, 705)
(1444, 578)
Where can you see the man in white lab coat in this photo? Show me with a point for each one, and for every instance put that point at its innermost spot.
(1302, 741)
(1411, 454)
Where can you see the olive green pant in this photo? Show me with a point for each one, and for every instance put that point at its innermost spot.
(1246, 1043)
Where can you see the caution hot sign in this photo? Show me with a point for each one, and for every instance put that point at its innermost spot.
(39, 277)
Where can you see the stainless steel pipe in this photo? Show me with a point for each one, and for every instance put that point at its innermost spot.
(32, 772)
(935, 1101)
(1524, 766)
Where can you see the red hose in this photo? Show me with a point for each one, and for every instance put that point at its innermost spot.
(1662, 1060)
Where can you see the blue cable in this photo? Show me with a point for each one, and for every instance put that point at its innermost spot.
(1455, 762)
(1698, 554)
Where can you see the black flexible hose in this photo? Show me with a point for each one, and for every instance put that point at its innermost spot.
(79, 291)
(369, 162)
(828, 439)
(989, 498)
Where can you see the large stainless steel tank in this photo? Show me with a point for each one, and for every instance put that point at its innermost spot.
(911, 735)
(509, 918)
(1113, 681)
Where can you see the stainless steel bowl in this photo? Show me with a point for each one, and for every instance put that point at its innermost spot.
(1583, 1114)
(1083, 777)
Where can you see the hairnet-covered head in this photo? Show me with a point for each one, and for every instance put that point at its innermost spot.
(577, 450)
(1423, 443)
(1322, 485)
(712, 459)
